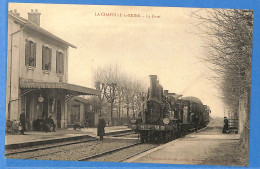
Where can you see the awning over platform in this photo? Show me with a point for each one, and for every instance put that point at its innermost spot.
(71, 88)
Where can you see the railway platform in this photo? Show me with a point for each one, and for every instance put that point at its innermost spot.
(207, 147)
(32, 138)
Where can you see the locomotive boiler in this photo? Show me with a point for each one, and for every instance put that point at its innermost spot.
(164, 116)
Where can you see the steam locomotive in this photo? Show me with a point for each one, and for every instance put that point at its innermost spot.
(166, 116)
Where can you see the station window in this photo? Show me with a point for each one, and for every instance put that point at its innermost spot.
(59, 62)
(46, 57)
(30, 53)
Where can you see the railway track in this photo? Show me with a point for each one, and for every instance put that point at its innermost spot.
(72, 150)
(44, 147)
(114, 149)
(121, 154)
(9, 152)
(108, 152)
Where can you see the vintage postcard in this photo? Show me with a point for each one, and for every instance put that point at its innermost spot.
(133, 84)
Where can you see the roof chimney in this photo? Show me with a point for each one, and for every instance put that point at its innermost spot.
(34, 16)
(14, 12)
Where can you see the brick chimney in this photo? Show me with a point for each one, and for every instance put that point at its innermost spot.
(34, 16)
(15, 12)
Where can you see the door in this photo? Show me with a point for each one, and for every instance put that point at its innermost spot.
(27, 112)
(58, 113)
(74, 116)
(185, 114)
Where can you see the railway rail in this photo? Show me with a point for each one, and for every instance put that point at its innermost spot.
(122, 154)
(73, 149)
(43, 147)
(108, 152)
(13, 151)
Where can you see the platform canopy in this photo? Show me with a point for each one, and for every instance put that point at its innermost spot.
(70, 88)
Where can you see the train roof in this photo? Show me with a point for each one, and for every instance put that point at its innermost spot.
(193, 99)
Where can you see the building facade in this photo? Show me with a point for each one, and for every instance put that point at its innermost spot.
(37, 72)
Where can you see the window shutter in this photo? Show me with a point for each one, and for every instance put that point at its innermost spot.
(50, 56)
(57, 62)
(43, 57)
(47, 55)
(34, 54)
(62, 63)
(27, 53)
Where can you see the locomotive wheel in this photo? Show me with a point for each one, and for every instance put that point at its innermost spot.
(166, 136)
(143, 137)
(173, 135)
(143, 140)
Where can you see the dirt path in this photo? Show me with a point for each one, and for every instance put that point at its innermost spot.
(208, 147)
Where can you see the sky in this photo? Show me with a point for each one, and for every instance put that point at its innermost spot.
(166, 46)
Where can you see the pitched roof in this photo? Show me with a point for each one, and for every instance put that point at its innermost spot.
(39, 29)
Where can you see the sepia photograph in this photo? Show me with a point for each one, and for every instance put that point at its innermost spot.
(133, 84)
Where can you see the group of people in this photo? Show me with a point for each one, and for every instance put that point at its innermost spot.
(44, 124)
(40, 124)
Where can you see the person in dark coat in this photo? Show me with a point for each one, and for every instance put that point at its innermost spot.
(37, 124)
(101, 128)
(23, 122)
(50, 122)
(45, 125)
(226, 126)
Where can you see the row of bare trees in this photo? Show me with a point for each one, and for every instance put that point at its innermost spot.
(227, 35)
(119, 91)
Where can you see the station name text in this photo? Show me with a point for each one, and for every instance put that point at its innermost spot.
(129, 15)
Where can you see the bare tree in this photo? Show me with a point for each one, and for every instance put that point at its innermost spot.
(227, 35)
(119, 89)
(127, 93)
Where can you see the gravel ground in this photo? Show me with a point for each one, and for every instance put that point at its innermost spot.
(125, 153)
(75, 151)
(45, 145)
(126, 136)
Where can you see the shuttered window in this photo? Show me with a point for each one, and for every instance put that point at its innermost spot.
(46, 57)
(59, 62)
(30, 53)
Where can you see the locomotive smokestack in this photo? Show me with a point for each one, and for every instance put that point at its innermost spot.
(153, 88)
(159, 92)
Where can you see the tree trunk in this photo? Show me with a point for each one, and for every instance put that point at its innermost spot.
(133, 110)
(119, 109)
(111, 113)
(127, 112)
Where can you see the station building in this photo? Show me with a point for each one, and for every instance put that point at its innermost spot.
(37, 72)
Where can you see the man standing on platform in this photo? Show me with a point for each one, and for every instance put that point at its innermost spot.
(23, 121)
(101, 127)
(226, 127)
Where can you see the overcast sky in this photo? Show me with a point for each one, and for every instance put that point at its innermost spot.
(165, 46)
